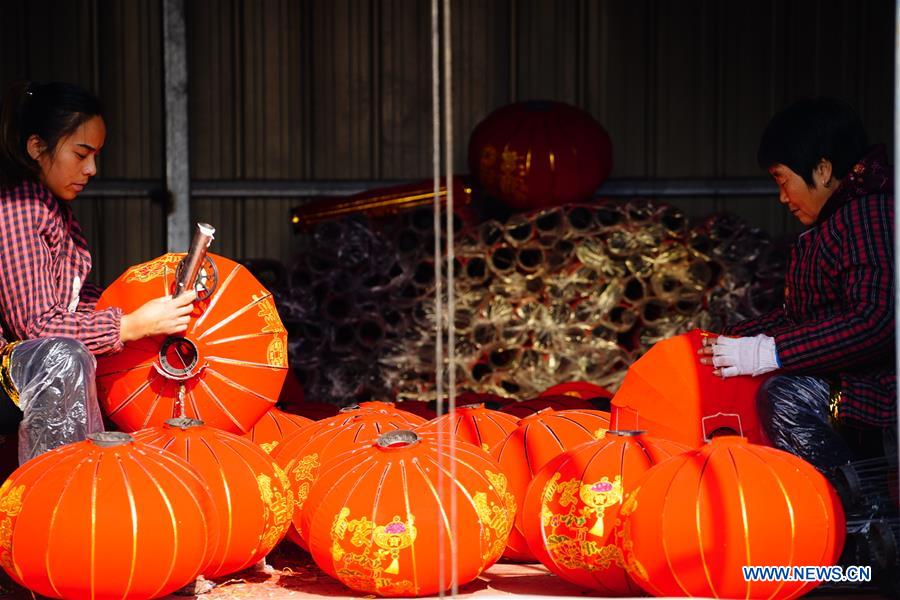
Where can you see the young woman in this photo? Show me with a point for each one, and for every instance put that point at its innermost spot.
(832, 342)
(50, 137)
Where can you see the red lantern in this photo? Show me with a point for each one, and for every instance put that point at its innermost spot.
(316, 410)
(252, 494)
(382, 521)
(537, 439)
(556, 402)
(304, 454)
(106, 518)
(424, 409)
(274, 426)
(474, 424)
(540, 153)
(579, 389)
(695, 520)
(227, 369)
(668, 393)
(572, 504)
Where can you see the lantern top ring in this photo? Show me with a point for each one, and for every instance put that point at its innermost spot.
(184, 422)
(110, 439)
(626, 432)
(399, 438)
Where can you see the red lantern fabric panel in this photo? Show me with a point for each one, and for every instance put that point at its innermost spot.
(474, 424)
(274, 426)
(668, 393)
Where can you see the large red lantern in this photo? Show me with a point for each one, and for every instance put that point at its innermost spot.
(274, 426)
(669, 394)
(537, 439)
(304, 454)
(409, 516)
(572, 504)
(474, 424)
(695, 520)
(252, 494)
(227, 369)
(540, 153)
(106, 518)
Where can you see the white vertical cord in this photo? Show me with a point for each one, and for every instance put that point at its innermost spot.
(451, 300)
(441, 311)
(438, 271)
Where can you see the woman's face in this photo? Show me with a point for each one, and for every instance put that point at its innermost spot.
(804, 202)
(66, 171)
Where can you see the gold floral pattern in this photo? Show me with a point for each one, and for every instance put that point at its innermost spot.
(153, 269)
(513, 169)
(304, 473)
(278, 509)
(365, 570)
(577, 535)
(276, 353)
(269, 313)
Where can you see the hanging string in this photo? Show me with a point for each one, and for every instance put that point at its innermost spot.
(444, 312)
(438, 271)
(451, 256)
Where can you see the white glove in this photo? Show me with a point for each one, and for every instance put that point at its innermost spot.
(745, 355)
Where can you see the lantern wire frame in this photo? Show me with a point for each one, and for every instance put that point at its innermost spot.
(441, 41)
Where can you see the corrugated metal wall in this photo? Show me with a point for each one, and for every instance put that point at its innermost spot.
(334, 89)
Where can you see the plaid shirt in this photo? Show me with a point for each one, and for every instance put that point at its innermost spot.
(837, 321)
(43, 266)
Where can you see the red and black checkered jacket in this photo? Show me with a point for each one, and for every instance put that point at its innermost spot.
(43, 266)
(837, 321)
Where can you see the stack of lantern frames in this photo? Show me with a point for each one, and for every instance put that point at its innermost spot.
(576, 292)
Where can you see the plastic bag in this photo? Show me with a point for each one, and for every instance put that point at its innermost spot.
(793, 410)
(57, 394)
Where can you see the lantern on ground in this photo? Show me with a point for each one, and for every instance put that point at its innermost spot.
(537, 439)
(274, 426)
(252, 494)
(695, 520)
(474, 424)
(572, 505)
(106, 518)
(382, 520)
(303, 455)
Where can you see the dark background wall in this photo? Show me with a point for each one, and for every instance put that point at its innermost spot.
(341, 89)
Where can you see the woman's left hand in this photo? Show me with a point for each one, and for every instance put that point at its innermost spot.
(739, 356)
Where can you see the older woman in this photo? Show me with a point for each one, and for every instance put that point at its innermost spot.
(832, 343)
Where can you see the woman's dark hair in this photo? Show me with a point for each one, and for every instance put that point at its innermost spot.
(809, 130)
(51, 111)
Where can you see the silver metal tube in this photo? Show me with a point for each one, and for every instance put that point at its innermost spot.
(203, 237)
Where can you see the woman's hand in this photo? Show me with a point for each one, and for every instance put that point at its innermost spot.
(739, 356)
(160, 316)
